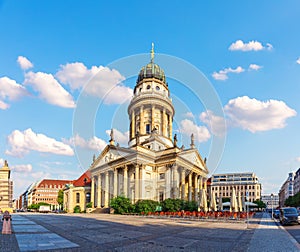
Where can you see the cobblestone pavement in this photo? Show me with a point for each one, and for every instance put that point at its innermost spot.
(104, 232)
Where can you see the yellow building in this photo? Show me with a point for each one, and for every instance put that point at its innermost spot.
(78, 193)
(6, 188)
(153, 166)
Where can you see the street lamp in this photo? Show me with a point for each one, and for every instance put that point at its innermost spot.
(272, 204)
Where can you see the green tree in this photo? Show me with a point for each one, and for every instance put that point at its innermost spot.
(172, 205)
(77, 209)
(260, 204)
(60, 197)
(121, 205)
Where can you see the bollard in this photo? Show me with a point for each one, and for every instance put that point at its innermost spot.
(6, 227)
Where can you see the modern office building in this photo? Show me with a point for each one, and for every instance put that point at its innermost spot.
(246, 183)
(271, 200)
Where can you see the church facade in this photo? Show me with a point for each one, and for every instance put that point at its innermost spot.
(152, 166)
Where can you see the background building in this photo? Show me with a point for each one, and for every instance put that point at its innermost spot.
(271, 201)
(247, 183)
(6, 188)
(297, 182)
(78, 193)
(287, 189)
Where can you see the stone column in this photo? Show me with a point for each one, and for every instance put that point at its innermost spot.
(99, 189)
(115, 191)
(201, 182)
(152, 117)
(125, 184)
(106, 193)
(190, 186)
(136, 183)
(170, 126)
(174, 170)
(196, 192)
(93, 192)
(164, 124)
(132, 124)
(142, 120)
(182, 184)
(205, 184)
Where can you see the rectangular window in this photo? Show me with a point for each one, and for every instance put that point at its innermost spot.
(161, 196)
(161, 176)
(148, 129)
(77, 198)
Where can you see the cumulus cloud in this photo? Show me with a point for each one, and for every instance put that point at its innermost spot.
(97, 81)
(10, 90)
(188, 127)
(189, 115)
(298, 61)
(216, 124)
(24, 63)
(22, 142)
(223, 74)
(255, 115)
(239, 45)
(121, 138)
(23, 168)
(49, 89)
(254, 67)
(94, 143)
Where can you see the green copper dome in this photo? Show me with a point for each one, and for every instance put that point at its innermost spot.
(152, 70)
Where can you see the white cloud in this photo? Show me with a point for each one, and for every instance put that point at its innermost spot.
(239, 45)
(24, 168)
(222, 74)
(216, 124)
(1, 162)
(94, 143)
(121, 138)
(24, 63)
(49, 89)
(255, 115)
(189, 115)
(98, 81)
(298, 61)
(201, 133)
(22, 142)
(297, 159)
(254, 67)
(10, 90)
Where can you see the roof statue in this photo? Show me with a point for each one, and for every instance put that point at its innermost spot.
(5, 163)
(175, 140)
(192, 141)
(152, 53)
(112, 140)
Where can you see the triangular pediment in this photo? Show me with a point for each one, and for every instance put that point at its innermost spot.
(193, 156)
(110, 154)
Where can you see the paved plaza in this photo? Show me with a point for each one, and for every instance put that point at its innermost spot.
(104, 232)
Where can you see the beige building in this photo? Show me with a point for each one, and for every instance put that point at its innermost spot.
(152, 166)
(78, 193)
(246, 183)
(6, 188)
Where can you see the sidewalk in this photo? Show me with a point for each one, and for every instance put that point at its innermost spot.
(272, 237)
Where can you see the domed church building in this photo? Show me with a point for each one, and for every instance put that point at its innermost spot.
(152, 166)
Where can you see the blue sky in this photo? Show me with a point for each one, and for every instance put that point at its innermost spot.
(248, 51)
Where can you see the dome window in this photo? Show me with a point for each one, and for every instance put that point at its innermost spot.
(157, 88)
(148, 87)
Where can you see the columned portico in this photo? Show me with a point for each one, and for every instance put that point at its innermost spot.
(99, 189)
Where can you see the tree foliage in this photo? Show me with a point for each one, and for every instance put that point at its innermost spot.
(146, 206)
(121, 205)
(260, 204)
(60, 197)
(293, 201)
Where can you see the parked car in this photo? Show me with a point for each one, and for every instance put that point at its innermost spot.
(288, 215)
(276, 214)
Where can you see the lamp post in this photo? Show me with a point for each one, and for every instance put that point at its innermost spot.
(272, 204)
